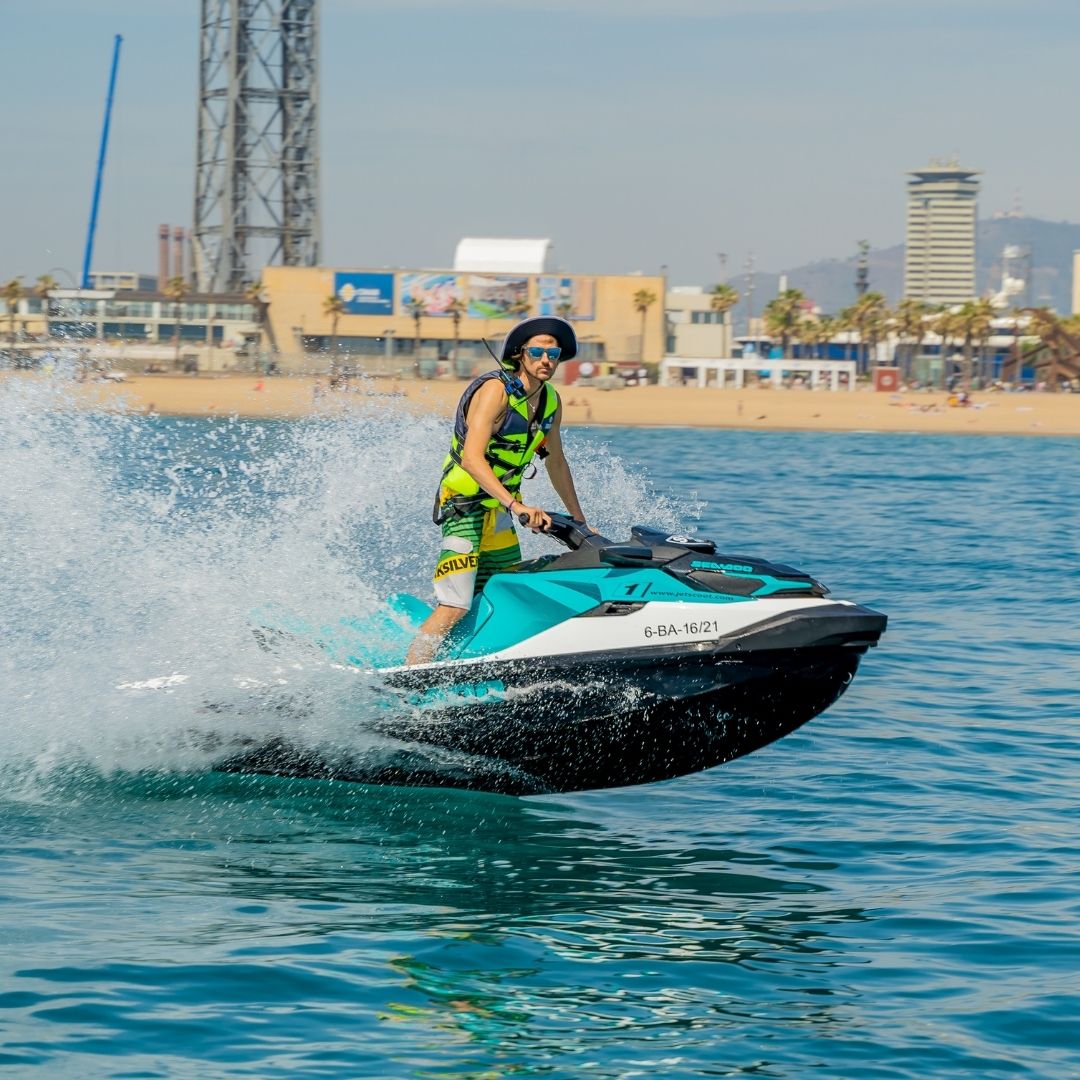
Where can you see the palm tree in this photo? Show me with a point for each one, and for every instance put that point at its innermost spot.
(809, 333)
(334, 307)
(910, 320)
(877, 327)
(826, 331)
(723, 298)
(1019, 317)
(416, 308)
(43, 286)
(1045, 325)
(844, 322)
(972, 321)
(13, 293)
(982, 329)
(643, 300)
(255, 293)
(868, 315)
(176, 289)
(782, 315)
(456, 307)
(1042, 322)
(944, 324)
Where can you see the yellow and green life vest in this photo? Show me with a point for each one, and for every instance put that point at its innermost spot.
(509, 451)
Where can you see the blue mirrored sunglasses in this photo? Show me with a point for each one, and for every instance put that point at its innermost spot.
(537, 351)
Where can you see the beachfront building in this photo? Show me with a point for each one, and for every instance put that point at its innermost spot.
(25, 320)
(150, 318)
(127, 327)
(734, 373)
(694, 328)
(939, 255)
(434, 322)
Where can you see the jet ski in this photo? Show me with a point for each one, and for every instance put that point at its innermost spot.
(608, 664)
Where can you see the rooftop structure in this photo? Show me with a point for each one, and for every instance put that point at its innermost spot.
(497, 255)
(123, 281)
(939, 258)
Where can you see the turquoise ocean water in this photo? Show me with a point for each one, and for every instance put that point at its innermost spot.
(890, 892)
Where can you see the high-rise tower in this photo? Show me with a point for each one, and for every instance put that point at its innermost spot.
(257, 163)
(939, 260)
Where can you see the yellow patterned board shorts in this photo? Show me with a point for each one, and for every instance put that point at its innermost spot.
(475, 546)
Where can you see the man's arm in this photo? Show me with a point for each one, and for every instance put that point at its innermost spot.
(488, 403)
(559, 470)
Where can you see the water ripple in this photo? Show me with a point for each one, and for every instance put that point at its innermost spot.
(890, 892)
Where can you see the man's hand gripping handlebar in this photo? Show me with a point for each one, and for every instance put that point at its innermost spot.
(568, 531)
(536, 519)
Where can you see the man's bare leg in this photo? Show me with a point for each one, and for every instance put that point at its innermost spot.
(432, 631)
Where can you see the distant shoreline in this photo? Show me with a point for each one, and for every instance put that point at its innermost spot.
(294, 397)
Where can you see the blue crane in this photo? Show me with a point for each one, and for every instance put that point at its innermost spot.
(100, 165)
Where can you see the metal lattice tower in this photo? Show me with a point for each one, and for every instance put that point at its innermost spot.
(257, 156)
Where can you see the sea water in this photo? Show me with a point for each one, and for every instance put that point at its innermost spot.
(889, 892)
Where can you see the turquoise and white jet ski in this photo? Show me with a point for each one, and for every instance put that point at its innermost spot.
(607, 665)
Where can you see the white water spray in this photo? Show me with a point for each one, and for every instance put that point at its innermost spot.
(133, 551)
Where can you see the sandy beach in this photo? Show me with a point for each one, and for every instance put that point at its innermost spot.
(777, 410)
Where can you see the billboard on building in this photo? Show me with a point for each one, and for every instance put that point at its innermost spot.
(365, 294)
(435, 293)
(496, 296)
(572, 298)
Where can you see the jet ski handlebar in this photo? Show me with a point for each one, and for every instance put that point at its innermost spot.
(569, 531)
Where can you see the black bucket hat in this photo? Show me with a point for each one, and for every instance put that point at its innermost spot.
(558, 328)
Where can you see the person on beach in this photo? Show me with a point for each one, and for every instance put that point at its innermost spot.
(503, 420)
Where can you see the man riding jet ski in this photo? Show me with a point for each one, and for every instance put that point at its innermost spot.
(503, 420)
(608, 665)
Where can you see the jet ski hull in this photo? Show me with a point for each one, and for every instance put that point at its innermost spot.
(530, 730)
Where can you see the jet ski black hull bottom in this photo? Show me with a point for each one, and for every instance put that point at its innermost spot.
(560, 729)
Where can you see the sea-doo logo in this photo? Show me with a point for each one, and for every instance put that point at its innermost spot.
(721, 567)
(456, 565)
(682, 540)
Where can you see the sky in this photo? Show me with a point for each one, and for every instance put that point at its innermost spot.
(637, 135)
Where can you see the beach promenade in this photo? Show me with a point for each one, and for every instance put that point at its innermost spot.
(650, 406)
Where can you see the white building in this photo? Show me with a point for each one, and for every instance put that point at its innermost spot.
(693, 327)
(939, 256)
(730, 373)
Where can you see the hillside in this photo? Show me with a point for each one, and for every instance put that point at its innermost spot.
(831, 282)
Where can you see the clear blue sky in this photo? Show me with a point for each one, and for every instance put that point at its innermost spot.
(633, 134)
